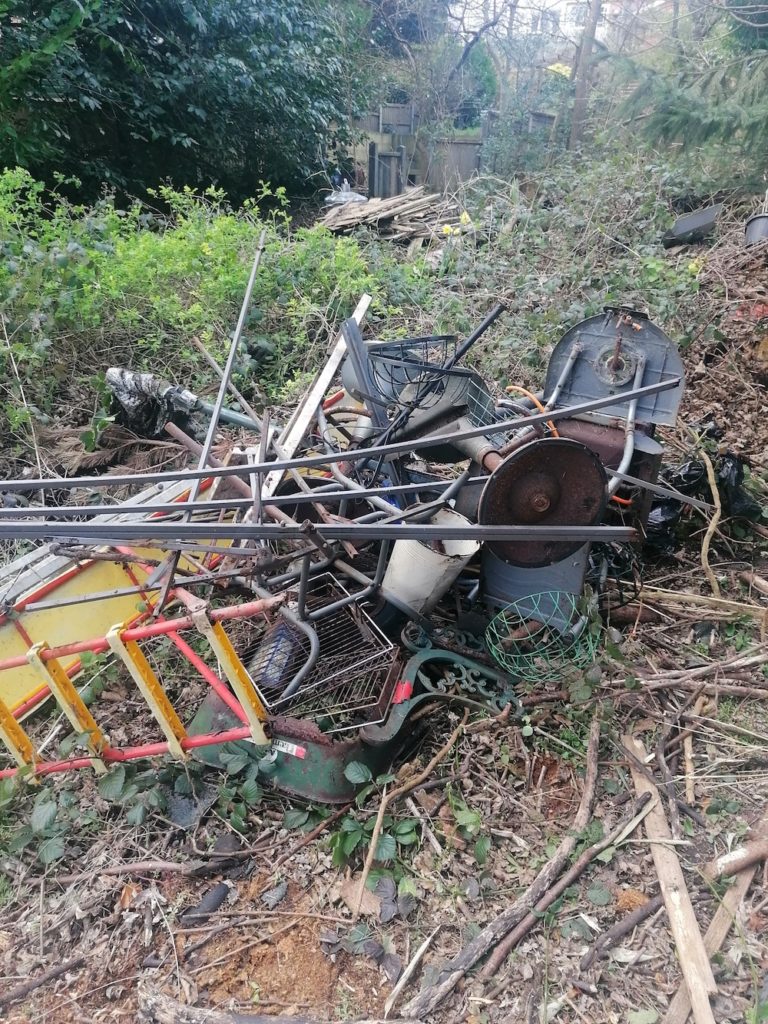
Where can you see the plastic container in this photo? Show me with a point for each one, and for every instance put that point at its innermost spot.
(693, 227)
(418, 576)
(756, 228)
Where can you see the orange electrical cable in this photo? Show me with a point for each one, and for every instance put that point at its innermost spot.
(536, 402)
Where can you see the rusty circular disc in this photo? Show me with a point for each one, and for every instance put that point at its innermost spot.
(550, 482)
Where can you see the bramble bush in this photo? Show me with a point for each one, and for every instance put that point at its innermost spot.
(84, 287)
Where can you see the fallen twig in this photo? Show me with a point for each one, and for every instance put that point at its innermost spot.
(690, 773)
(669, 790)
(158, 1008)
(142, 867)
(627, 924)
(15, 994)
(693, 958)
(258, 941)
(754, 581)
(658, 595)
(308, 838)
(431, 996)
(628, 824)
(405, 977)
(712, 523)
(737, 860)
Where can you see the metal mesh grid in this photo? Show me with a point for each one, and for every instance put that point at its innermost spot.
(481, 410)
(411, 371)
(349, 642)
(350, 700)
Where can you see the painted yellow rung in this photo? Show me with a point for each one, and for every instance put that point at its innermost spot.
(141, 672)
(52, 673)
(15, 739)
(235, 672)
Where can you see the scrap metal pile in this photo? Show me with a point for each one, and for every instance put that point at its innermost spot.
(407, 536)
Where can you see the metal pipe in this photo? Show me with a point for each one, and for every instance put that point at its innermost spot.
(324, 460)
(229, 365)
(173, 536)
(114, 754)
(576, 349)
(142, 588)
(169, 570)
(303, 586)
(340, 494)
(629, 431)
(370, 586)
(314, 650)
(235, 419)
(466, 345)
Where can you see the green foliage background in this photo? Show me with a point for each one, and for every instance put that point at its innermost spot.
(129, 92)
(83, 287)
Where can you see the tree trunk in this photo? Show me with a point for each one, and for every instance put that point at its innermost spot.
(581, 95)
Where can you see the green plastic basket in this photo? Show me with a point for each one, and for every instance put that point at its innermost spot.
(538, 636)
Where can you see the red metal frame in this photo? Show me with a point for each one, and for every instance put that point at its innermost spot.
(114, 754)
(137, 633)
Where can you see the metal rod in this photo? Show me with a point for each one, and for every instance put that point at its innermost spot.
(116, 754)
(229, 365)
(629, 430)
(205, 454)
(141, 588)
(576, 349)
(309, 461)
(165, 534)
(662, 492)
(466, 345)
(308, 497)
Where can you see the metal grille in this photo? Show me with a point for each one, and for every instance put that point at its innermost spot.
(350, 643)
(411, 372)
(481, 410)
(351, 700)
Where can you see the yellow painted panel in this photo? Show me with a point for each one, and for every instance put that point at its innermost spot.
(73, 623)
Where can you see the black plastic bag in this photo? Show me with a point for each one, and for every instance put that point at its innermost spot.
(660, 529)
(737, 501)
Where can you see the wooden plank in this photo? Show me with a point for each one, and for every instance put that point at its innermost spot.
(291, 437)
(694, 962)
(680, 1007)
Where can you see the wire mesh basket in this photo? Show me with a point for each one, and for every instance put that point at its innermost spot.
(353, 661)
(411, 372)
(352, 699)
(538, 636)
